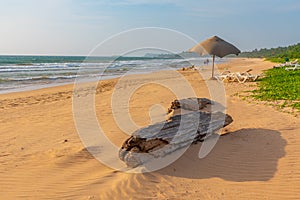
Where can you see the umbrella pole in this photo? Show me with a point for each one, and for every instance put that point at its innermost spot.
(213, 67)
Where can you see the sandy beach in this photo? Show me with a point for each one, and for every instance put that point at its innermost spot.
(42, 156)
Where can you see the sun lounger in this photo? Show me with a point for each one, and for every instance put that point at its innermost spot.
(286, 64)
(295, 62)
(295, 67)
(228, 76)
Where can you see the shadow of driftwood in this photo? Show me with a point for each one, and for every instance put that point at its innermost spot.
(243, 155)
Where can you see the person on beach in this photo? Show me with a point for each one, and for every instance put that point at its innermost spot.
(206, 61)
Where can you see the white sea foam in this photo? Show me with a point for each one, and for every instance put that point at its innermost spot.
(48, 73)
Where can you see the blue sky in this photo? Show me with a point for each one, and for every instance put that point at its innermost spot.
(74, 27)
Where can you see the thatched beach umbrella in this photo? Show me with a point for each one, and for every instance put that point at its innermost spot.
(215, 46)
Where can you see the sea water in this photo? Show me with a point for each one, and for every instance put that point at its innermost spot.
(19, 73)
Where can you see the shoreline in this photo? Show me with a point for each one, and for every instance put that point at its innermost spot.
(222, 66)
(104, 77)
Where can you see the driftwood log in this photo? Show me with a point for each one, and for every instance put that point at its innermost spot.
(190, 104)
(163, 138)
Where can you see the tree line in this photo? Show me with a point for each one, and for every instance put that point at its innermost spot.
(290, 52)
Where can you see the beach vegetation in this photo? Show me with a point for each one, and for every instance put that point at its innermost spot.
(281, 86)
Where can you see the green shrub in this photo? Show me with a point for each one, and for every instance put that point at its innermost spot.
(280, 84)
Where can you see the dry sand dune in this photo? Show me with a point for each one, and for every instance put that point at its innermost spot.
(42, 157)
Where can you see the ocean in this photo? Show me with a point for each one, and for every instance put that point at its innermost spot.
(18, 73)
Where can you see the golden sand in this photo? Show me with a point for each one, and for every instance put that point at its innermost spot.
(42, 156)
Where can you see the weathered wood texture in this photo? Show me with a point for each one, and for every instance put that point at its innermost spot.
(163, 138)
